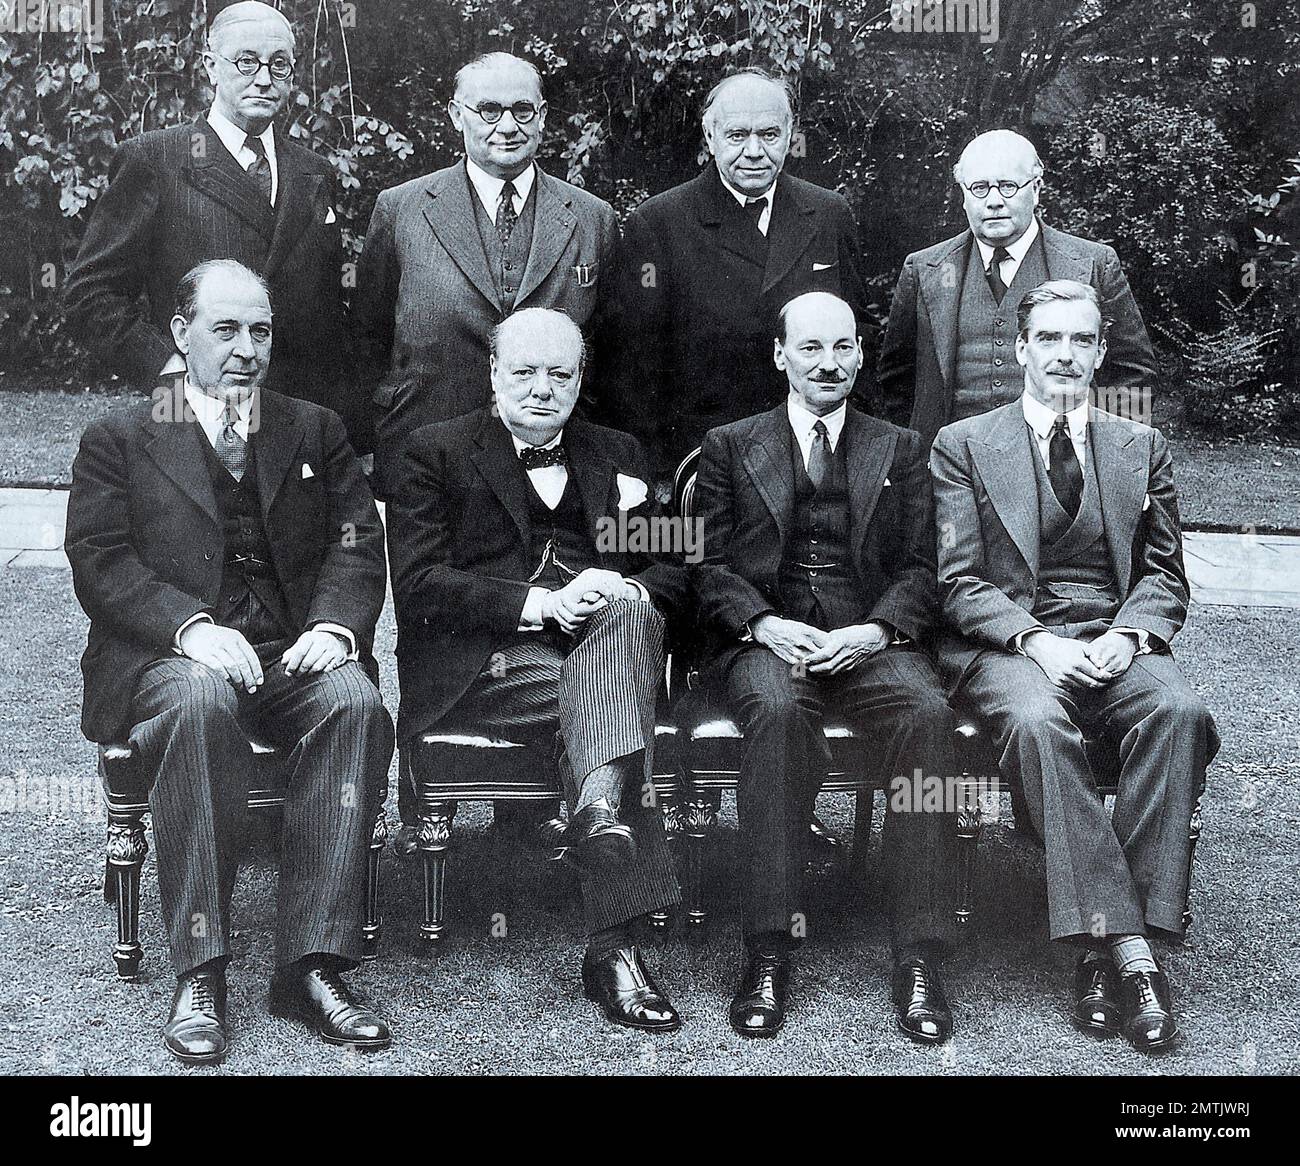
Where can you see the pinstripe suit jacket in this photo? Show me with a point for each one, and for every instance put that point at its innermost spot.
(144, 538)
(176, 198)
(459, 539)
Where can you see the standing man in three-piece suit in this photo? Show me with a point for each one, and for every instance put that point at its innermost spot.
(704, 267)
(1062, 581)
(519, 611)
(948, 351)
(228, 186)
(450, 255)
(817, 587)
(231, 559)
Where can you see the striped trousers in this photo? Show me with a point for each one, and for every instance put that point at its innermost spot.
(595, 694)
(338, 741)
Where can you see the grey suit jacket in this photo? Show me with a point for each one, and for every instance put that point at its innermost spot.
(426, 301)
(986, 514)
(918, 357)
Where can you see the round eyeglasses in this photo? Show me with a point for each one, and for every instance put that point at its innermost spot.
(250, 65)
(1006, 188)
(491, 111)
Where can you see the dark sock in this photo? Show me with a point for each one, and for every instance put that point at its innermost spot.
(769, 943)
(607, 939)
(922, 949)
(1095, 955)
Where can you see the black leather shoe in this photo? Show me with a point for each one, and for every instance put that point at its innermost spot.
(622, 985)
(922, 1007)
(321, 1000)
(195, 1031)
(598, 841)
(1096, 996)
(1148, 1015)
(758, 1008)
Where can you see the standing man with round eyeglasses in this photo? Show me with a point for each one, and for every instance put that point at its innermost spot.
(949, 347)
(227, 186)
(450, 255)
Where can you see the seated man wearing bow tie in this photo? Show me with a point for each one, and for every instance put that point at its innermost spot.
(231, 560)
(816, 586)
(516, 617)
(1062, 582)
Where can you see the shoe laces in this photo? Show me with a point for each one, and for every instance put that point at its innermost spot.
(920, 976)
(1146, 991)
(202, 995)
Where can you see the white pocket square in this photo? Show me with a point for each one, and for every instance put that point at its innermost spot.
(888, 482)
(822, 266)
(631, 492)
(329, 215)
(1146, 501)
(307, 472)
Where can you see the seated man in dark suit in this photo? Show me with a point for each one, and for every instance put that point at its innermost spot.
(516, 616)
(1062, 581)
(231, 560)
(817, 584)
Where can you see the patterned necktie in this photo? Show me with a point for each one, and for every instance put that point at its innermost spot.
(260, 170)
(1064, 471)
(536, 458)
(754, 209)
(819, 456)
(231, 449)
(996, 286)
(506, 216)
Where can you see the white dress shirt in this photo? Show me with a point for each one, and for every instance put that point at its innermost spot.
(235, 140)
(210, 413)
(1016, 252)
(1041, 420)
(765, 215)
(488, 188)
(803, 421)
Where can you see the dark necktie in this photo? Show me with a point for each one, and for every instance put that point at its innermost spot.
(535, 458)
(1064, 472)
(819, 456)
(754, 209)
(230, 448)
(996, 286)
(260, 170)
(506, 216)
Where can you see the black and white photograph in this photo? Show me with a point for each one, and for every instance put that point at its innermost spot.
(655, 539)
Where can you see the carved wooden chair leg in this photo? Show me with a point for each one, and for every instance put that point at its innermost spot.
(374, 908)
(969, 821)
(657, 921)
(435, 839)
(126, 852)
(699, 816)
(1194, 833)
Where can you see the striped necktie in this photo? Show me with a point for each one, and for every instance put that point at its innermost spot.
(230, 448)
(260, 168)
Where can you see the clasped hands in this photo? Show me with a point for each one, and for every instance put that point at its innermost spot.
(821, 653)
(573, 604)
(1072, 663)
(232, 657)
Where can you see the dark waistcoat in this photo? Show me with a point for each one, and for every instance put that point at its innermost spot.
(506, 263)
(560, 545)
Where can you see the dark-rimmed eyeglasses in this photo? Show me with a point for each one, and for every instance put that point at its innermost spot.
(249, 64)
(490, 111)
(1006, 188)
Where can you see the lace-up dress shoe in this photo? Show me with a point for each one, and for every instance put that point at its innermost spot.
(758, 1008)
(195, 1031)
(1096, 997)
(598, 841)
(1148, 1015)
(622, 985)
(321, 1000)
(920, 1002)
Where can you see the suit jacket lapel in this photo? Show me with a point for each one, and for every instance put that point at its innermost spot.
(593, 472)
(295, 203)
(1063, 261)
(868, 459)
(1002, 457)
(174, 447)
(495, 458)
(790, 231)
(941, 289)
(450, 215)
(212, 170)
(734, 232)
(770, 467)
(277, 439)
(1119, 464)
(553, 225)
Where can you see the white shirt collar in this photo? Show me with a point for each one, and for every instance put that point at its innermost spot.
(766, 196)
(233, 138)
(521, 445)
(488, 187)
(802, 419)
(1017, 250)
(210, 412)
(1041, 418)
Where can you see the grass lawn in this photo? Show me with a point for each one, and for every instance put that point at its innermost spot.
(1221, 484)
(512, 1003)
